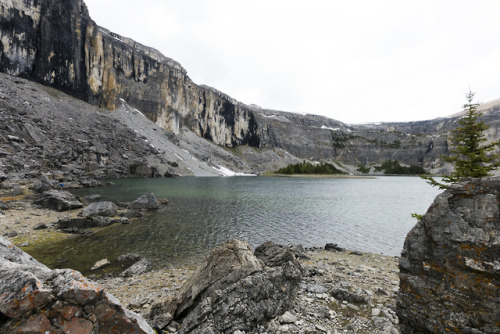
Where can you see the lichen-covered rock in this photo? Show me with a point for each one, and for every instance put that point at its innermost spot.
(35, 299)
(235, 291)
(450, 264)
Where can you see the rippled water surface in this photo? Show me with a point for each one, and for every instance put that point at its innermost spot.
(372, 215)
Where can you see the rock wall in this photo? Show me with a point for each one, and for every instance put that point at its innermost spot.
(450, 264)
(57, 43)
(35, 299)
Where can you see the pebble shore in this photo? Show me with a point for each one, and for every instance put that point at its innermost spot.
(341, 292)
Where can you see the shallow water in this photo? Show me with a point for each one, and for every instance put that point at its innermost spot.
(371, 215)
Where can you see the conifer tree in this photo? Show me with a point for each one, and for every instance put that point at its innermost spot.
(469, 155)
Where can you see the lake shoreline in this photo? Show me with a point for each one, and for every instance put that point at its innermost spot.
(372, 276)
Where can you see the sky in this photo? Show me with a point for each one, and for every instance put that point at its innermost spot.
(355, 61)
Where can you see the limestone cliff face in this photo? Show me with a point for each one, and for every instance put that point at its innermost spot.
(57, 43)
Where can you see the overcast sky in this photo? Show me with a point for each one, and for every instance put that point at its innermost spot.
(355, 61)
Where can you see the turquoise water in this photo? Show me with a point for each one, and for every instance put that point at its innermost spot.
(371, 215)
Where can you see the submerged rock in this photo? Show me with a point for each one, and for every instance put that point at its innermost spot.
(450, 269)
(147, 202)
(234, 290)
(35, 299)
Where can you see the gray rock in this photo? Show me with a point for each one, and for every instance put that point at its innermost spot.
(234, 290)
(333, 248)
(58, 200)
(92, 198)
(140, 267)
(315, 288)
(104, 209)
(342, 293)
(147, 202)
(40, 226)
(99, 264)
(34, 298)
(10, 234)
(44, 184)
(449, 267)
(129, 257)
(75, 224)
(288, 318)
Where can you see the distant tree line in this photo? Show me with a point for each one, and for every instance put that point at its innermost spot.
(309, 168)
(393, 167)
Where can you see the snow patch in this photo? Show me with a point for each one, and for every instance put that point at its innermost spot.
(327, 128)
(284, 119)
(139, 112)
(227, 172)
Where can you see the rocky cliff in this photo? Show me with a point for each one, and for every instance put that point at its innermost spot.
(57, 43)
(449, 267)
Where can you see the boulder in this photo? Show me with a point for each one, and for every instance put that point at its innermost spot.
(235, 290)
(103, 209)
(35, 299)
(75, 224)
(147, 202)
(44, 184)
(139, 267)
(92, 198)
(334, 248)
(58, 200)
(450, 267)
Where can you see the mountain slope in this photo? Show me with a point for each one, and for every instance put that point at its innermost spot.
(57, 43)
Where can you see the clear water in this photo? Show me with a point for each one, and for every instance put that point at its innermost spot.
(371, 215)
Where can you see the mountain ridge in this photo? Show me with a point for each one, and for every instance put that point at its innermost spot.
(75, 55)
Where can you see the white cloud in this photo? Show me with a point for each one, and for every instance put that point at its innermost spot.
(386, 60)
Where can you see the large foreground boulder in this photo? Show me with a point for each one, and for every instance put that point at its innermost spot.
(450, 264)
(35, 299)
(58, 200)
(235, 290)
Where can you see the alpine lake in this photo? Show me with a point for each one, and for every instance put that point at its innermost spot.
(364, 214)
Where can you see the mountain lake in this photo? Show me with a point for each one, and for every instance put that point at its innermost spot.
(369, 215)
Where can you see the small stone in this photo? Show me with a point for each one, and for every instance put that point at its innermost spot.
(321, 328)
(100, 264)
(288, 318)
(40, 226)
(375, 312)
(353, 307)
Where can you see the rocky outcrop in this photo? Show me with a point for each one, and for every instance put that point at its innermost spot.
(233, 290)
(35, 299)
(58, 44)
(450, 269)
(58, 200)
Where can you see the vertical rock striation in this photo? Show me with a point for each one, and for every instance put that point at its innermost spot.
(57, 43)
(450, 264)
